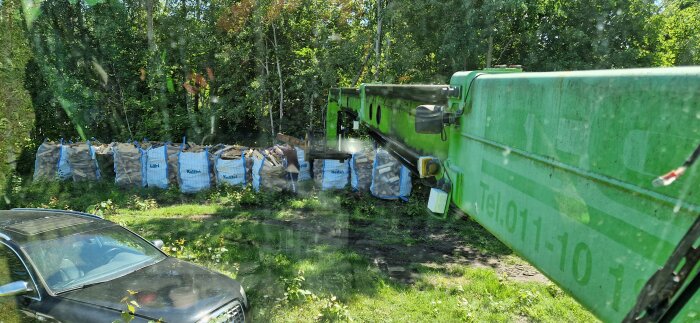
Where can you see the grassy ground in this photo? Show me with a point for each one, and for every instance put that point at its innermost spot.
(330, 256)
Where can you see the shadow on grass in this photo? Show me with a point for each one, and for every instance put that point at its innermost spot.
(335, 249)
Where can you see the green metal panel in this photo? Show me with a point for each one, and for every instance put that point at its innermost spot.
(332, 109)
(559, 166)
(396, 104)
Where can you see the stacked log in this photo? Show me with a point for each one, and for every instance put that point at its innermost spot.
(273, 175)
(127, 165)
(83, 165)
(386, 181)
(276, 166)
(173, 165)
(318, 171)
(361, 165)
(230, 152)
(47, 158)
(105, 160)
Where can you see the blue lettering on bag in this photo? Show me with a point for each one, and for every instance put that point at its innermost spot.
(193, 171)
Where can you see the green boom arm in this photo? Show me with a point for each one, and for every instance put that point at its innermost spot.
(559, 166)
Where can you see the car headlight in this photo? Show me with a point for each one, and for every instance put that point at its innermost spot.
(245, 299)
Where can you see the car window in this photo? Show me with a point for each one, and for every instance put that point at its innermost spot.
(89, 257)
(11, 268)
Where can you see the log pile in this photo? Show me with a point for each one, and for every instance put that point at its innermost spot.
(127, 165)
(273, 175)
(386, 175)
(105, 160)
(173, 165)
(124, 163)
(230, 152)
(47, 157)
(361, 166)
(318, 171)
(82, 164)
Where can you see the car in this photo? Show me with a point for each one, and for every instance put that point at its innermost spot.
(65, 266)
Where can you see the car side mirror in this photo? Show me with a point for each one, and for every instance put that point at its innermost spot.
(158, 243)
(15, 288)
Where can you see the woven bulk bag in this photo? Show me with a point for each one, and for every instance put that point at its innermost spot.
(104, 155)
(361, 165)
(65, 172)
(230, 166)
(157, 166)
(194, 170)
(331, 174)
(268, 172)
(46, 162)
(304, 166)
(81, 157)
(128, 165)
(390, 179)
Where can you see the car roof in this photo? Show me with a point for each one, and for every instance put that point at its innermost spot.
(25, 225)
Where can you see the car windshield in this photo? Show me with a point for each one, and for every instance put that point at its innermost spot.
(89, 257)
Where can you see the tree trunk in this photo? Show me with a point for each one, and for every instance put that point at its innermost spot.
(311, 112)
(490, 52)
(266, 69)
(149, 27)
(378, 41)
(279, 74)
(362, 68)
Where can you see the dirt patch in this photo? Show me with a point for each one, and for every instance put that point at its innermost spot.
(400, 249)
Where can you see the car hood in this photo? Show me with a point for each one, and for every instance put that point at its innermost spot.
(171, 290)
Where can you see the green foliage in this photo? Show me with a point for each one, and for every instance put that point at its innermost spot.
(102, 208)
(333, 311)
(130, 305)
(679, 36)
(294, 293)
(16, 115)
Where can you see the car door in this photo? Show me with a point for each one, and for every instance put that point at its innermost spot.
(12, 269)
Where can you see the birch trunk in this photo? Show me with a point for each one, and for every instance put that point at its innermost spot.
(279, 74)
(377, 43)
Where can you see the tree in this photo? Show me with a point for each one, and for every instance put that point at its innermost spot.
(679, 35)
(16, 114)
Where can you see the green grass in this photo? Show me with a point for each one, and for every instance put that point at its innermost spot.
(326, 256)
